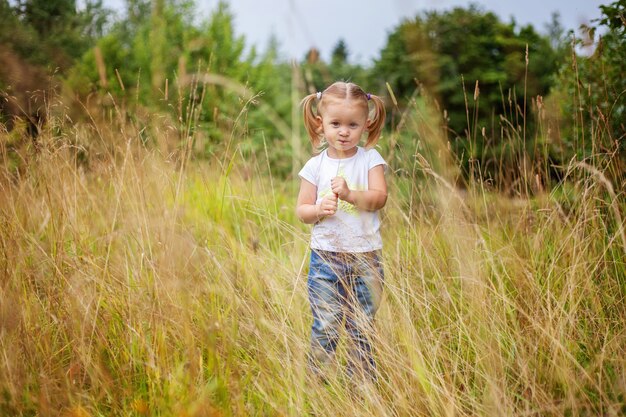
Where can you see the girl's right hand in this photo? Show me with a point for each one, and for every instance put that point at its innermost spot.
(328, 205)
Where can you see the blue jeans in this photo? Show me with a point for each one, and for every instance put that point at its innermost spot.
(345, 289)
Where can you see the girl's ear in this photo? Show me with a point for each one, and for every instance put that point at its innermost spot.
(318, 122)
(368, 124)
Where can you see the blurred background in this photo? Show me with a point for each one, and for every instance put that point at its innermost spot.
(513, 60)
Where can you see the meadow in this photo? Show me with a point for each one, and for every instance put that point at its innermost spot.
(139, 280)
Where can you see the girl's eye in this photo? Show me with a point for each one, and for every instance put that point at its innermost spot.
(353, 125)
(334, 124)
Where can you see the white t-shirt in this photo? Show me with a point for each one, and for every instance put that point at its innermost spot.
(349, 229)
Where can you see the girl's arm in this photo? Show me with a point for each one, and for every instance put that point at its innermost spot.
(373, 199)
(306, 209)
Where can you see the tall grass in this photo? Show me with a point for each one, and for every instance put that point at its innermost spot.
(135, 281)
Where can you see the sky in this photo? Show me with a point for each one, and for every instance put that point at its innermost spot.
(365, 24)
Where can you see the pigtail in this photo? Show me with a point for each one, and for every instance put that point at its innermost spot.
(310, 120)
(377, 121)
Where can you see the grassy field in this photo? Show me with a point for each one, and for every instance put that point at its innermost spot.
(139, 281)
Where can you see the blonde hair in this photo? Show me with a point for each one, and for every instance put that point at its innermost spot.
(343, 90)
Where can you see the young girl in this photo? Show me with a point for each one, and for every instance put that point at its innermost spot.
(341, 191)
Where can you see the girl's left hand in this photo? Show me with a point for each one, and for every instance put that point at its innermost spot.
(340, 187)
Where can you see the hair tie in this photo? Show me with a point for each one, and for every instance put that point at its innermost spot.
(318, 95)
(369, 96)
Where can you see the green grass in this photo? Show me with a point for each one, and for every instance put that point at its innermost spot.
(134, 284)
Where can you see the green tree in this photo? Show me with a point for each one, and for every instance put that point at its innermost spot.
(48, 16)
(437, 49)
(40, 41)
(62, 31)
(450, 53)
(341, 68)
(592, 94)
(339, 55)
(270, 78)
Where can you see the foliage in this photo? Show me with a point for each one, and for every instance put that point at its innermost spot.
(443, 50)
(169, 61)
(592, 93)
(40, 40)
(319, 74)
(482, 72)
(52, 33)
(490, 82)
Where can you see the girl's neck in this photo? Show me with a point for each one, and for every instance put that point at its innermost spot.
(335, 154)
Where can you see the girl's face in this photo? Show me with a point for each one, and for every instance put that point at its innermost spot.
(343, 122)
